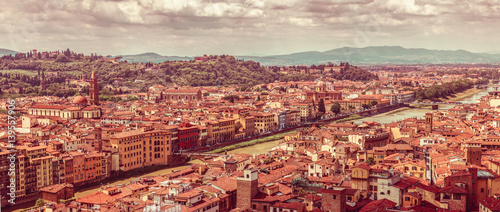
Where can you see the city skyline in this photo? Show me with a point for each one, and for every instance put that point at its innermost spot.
(251, 27)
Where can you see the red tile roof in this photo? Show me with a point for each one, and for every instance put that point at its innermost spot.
(378, 205)
(453, 189)
(491, 203)
(97, 198)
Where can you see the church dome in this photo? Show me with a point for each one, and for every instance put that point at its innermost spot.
(80, 100)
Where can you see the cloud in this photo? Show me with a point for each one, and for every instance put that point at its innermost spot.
(194, 26)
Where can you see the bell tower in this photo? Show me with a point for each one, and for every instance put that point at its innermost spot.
(97, 143)
(473, 153)
(93, 90)
(428, 123)
(247, 188)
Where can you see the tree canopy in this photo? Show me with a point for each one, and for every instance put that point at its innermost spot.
(335, 108)
(444, 90)
(321, 106)
(354, 73)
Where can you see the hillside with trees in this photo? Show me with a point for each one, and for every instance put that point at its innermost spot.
(354, 73)
(24, 72)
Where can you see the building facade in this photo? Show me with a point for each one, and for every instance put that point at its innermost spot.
(144, 147)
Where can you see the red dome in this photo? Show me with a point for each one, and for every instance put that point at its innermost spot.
(80, 100)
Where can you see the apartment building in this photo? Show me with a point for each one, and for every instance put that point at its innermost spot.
(143, 147)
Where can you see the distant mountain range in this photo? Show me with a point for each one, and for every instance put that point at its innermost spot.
(7, 52)
(366, 55)
(377, 55)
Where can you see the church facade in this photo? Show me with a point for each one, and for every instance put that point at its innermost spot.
(159, 92)
(80, 108)
(320, 92)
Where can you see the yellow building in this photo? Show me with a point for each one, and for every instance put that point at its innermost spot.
(33, 170)
(411, 199)
(347, 104)
(376, 156)
(213, 132)
(306, 111)
(359, 177)
(43, 171)
(412, 169)
(248, 124)
(264, 122)
(226, 129)
(144, 147)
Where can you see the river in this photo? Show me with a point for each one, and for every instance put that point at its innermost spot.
(255, 149)
(404, 113)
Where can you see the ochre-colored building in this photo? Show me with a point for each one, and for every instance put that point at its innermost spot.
(143, 147)
(359, 176)
(264, 122)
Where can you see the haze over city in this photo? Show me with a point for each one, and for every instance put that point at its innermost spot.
(250, 27)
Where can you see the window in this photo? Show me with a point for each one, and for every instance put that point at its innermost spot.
(407, 198)
(482, 190)
(334, 196)
(388, 192)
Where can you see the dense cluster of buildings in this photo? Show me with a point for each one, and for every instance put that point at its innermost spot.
(446, 161)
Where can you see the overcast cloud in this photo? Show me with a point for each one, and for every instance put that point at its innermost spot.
(243, 27)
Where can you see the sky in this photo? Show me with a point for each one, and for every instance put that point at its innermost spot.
(246, 27)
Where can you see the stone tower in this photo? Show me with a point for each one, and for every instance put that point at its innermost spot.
(247, 189)
(333, 200)
(94, 90)
(428, 123)
(97, 143)
(473, 153)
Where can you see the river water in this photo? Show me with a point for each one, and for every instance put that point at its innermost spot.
(404, 113)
